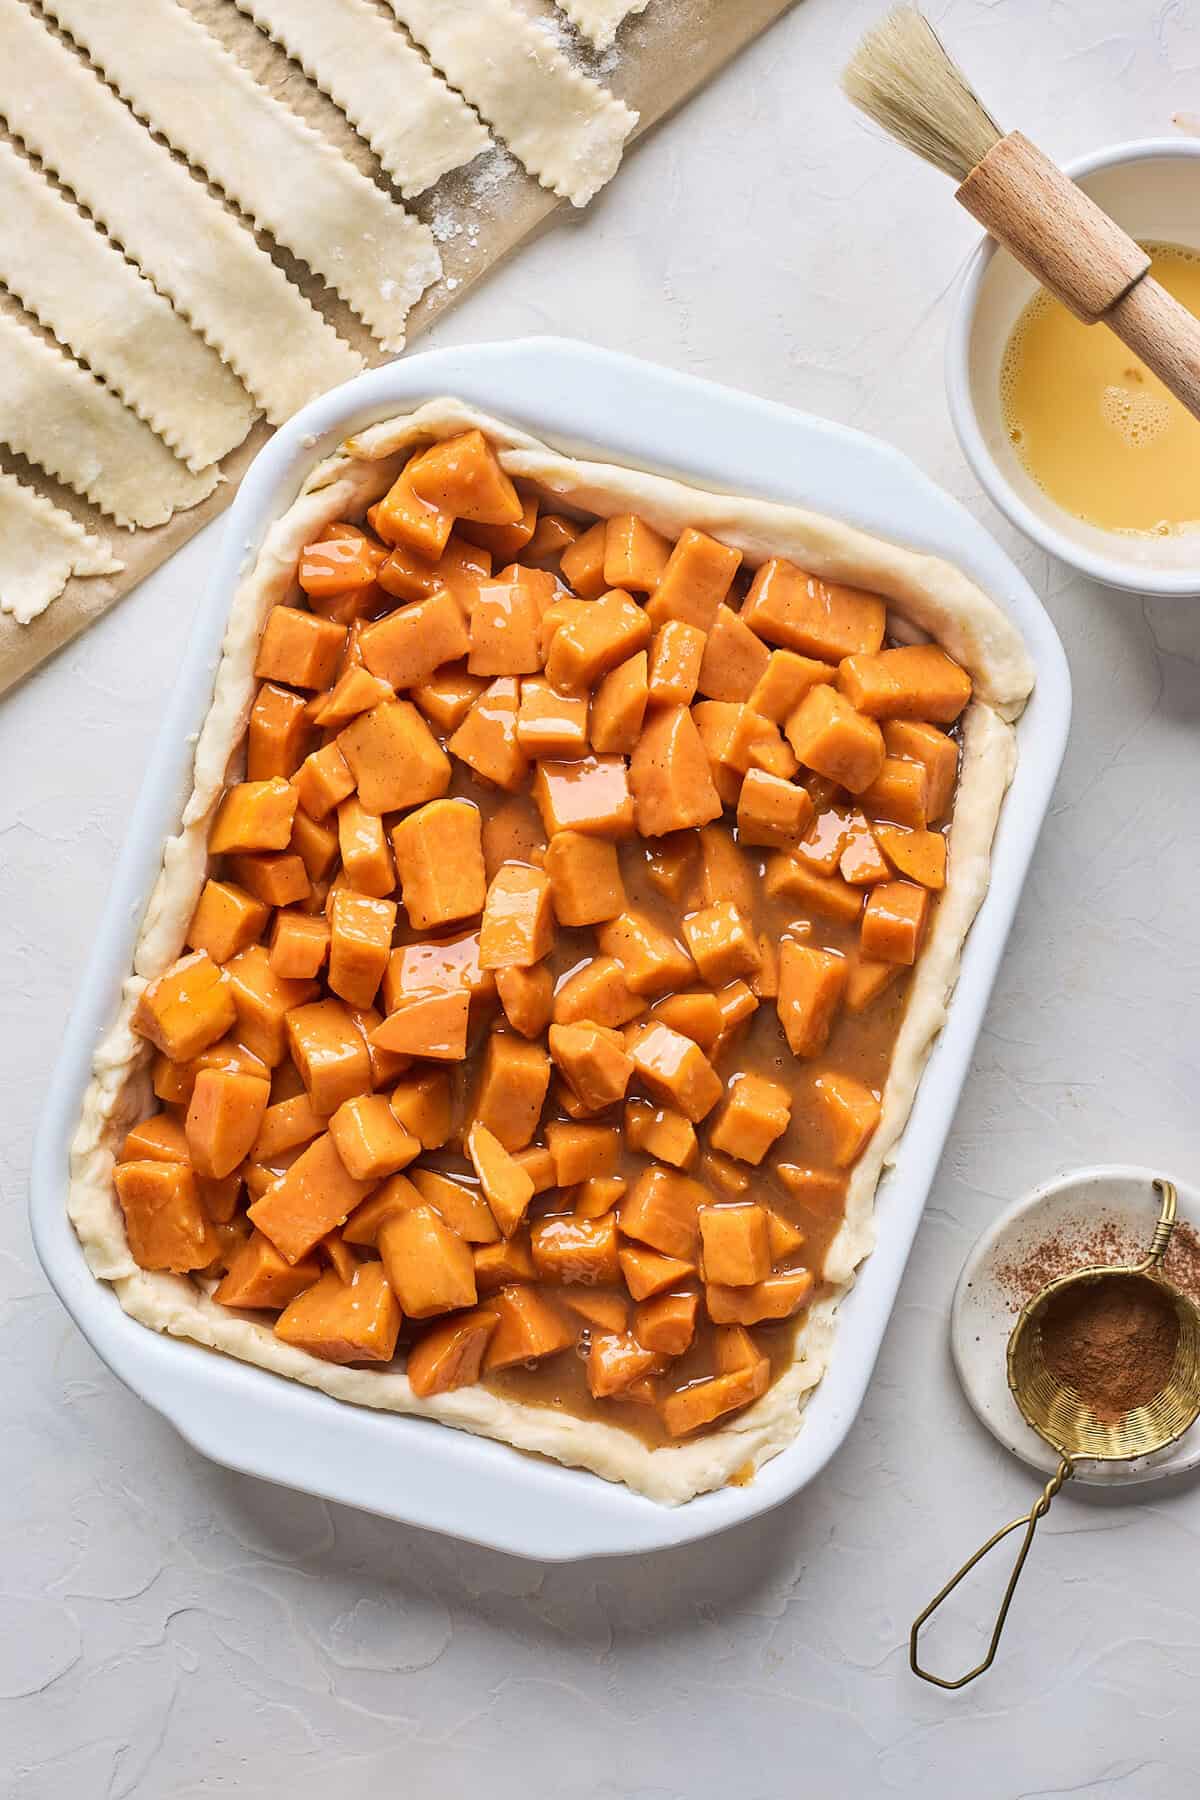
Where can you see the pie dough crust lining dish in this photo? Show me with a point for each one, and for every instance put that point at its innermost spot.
(930, 594)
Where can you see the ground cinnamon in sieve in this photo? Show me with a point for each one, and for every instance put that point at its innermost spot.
(1113, 1341)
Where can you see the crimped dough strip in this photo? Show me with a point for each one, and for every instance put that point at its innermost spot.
(72, 279)
(277, 169)
(597, 20)
(191, 248)
(61, 418)
(949, 606)
(41, 547)
(564, 127)
(418, 127)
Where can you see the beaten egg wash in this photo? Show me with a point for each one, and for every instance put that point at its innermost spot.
(1093, 426)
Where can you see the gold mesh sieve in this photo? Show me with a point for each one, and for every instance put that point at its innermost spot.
(1069, 1425)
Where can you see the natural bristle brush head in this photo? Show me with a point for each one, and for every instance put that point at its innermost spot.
(901, 77)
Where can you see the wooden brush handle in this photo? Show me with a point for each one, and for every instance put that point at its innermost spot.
(1083, 257)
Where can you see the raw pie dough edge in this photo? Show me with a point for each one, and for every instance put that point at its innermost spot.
(41, 548)
(119, 1092)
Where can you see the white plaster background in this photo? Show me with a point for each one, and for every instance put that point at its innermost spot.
(168, 1629)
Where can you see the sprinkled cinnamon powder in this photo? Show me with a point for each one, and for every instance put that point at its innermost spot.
(1100, 1239)
(1113, 1341)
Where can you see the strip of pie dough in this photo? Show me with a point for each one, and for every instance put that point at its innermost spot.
(597, 20)
(189, 245)
(41, 547)
(564, 127)
(922, 590)
(278, 170)
(61, 418)
(72, 278)
(418, 127)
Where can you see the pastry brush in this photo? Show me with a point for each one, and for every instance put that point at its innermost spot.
(902, 77)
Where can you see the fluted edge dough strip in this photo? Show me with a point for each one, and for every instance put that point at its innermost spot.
(418, 127)
(61, 418)
(597, 20)
(72, 279)
(41, 547)
(285, 177)
(926, 591)
(232, 294)
(565, 128)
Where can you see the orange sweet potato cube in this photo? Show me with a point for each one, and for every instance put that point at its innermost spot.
(771, 811)
(496, 1265)
(608, 1311)
(487, 738)
(528, 1327)
(527, 996)
(429, 1267)
(826, 895)
(916, 681)
(598, 1195)
(404, 647)
(755, 1114)
(670, 776)
(667, 1323)
(443, 965)
(550, 724)
(506, 618)
(329, 1052)
(187, 1007)
(165, 1223)
(786, 606)
(674, 1069)
(734, 661)
(936, 753)
(279, 733)
(660, 1132)
(323, 780)
(774, 1297)
(360, 943)
(298, 649)
(576, 1250)
(867, 981)
(661, 1210)
(582, 562)
(299, 945)
(899, 794)
(396, 760)
(619, 706)
(784, 682)
(366, 859)
(518, 922)
(223, 1119)
(506, 541)
(735, 1249)
(407, 575)
(448, 696)
(704, 1401)
(254, 815)
(725, 872)
(338, 563)
(173, 1082)
(590, 795)
(593, 1061)
(581, 1151)
(462, 475)
(396, 1195)
(313, 1196)
(894, 922)
(506, 1186)
(819, 1191)
(669, 864)
(649, 1272)
(599, 992)
(675, 657)
(357, 691)
(852, 1112)
(369, 1139)
(317, 847)
(594, 639)
(421, 1103)
(276, 877)
(720, 1171)
(159, 1138)
(695, 580)
(920, 855)
(828, 735)
(461, 568)
(464, 1209)
(226, 920)
(286, 1125)
(405, 518)
(651, 960)
(635, 555)
(450, 1355)
(614, 1362)
(585, 879)
(259, 1279)
(538, 1164)
(862, 862)
(722, 942)
(811, 985)
(439, 860)
(344, 1321)
(432, 1025)
(730, 732)
(552, 534)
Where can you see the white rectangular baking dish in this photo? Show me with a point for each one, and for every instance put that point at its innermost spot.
(416, 1470)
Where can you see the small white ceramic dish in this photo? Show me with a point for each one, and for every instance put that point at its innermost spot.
(417, 1470)
(1152, 188)
(1099, 1215)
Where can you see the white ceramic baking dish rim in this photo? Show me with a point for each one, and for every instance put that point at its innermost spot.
(416, 1470)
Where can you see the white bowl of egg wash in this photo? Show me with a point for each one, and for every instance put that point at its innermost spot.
(1070, 434)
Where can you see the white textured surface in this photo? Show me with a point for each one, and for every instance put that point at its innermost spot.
(169, 1630)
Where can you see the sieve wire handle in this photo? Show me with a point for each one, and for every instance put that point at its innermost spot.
(1029, 1520)
(1162, 1231)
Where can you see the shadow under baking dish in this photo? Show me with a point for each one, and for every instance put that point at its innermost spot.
(417, 1470)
